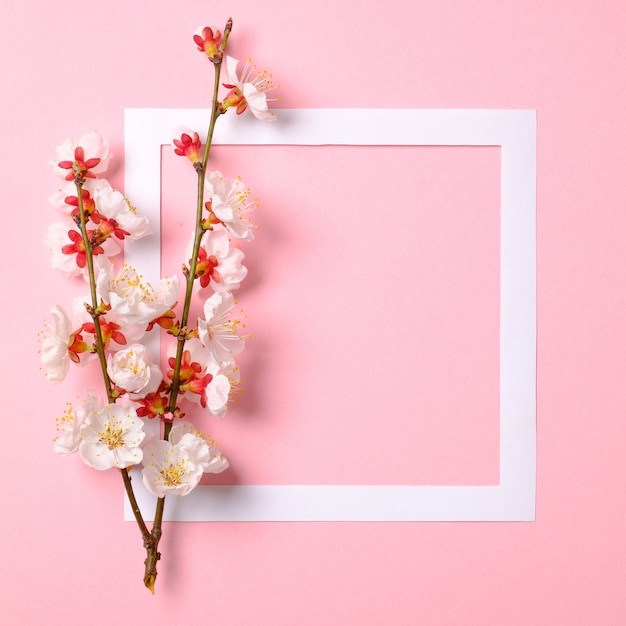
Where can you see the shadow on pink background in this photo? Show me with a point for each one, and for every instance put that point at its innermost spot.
(67, 556)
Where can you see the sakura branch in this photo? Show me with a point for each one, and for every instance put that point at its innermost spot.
(109, 325)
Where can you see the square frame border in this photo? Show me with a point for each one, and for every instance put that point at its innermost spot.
(515, 132)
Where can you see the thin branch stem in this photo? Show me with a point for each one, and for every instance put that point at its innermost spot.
(198, 232)
(133, 504)
(145, 533)
(94, 295)
(151, 546)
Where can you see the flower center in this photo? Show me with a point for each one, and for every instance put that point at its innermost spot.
(112, 437)
(173, 473)
(129, 282)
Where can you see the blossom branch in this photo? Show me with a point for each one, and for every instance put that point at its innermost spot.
(199, 230)
(152, 545)
(124, 307)
(133, 504)
(93, 310)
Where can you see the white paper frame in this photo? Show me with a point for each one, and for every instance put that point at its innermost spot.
(513, 499)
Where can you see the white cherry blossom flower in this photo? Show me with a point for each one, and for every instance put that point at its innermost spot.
(249, 90)
(69, 425)
(132, 369)
(175, 467)
(230, 202)
(94, 146)
(219, 265)
(217, 393)
(65, 244)
(169, 470)
(54, 351)
(232, 372)
(156, 378)
(133, 298)
(112, 437)
(56, 239)
(218, 332)
(61, 345)
(200, 449)
(201, 377)
(112, 205)
(117, 334)
(65, 198)
(58, 197)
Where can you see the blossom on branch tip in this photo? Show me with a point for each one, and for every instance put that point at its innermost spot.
(189, 145)
(83, 159)
(208, 40)
(111, 437)
(248, 91)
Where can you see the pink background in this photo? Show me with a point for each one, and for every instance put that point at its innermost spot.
(67, 556)
(359, 320)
